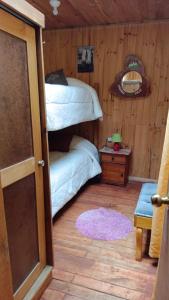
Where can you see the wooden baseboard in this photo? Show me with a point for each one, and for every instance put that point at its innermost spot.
(140, 179)
(40, 284)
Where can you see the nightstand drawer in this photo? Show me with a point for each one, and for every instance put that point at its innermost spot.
(113, 173)
(115, 165)
(113, 158)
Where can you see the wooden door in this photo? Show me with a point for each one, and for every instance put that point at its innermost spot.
(22, 229)
(161, 291)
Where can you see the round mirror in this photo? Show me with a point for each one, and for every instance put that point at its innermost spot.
(131, 82)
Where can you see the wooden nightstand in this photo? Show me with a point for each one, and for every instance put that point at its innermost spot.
(115, 165)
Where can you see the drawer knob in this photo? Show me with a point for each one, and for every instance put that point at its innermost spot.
(112, 158)
(122, 174)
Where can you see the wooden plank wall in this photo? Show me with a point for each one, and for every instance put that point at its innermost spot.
(141, 121)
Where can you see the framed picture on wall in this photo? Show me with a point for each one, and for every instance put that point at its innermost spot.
(85, 59)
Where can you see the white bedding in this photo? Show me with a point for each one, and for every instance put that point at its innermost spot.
(67, 105)
(69, 171)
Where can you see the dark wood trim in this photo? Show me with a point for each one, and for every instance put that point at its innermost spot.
(45, 149)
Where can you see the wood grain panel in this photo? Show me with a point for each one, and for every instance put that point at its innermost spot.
(21, 219)
(15, 132)
(75, 13)
(140, 121)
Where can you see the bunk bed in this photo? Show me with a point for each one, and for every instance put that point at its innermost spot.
(67, 105)
(69, 171)
(75, 160)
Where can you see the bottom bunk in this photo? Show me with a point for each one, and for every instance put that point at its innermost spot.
(69, 171)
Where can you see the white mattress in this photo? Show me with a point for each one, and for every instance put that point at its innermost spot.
(72, 104)
(69, 171)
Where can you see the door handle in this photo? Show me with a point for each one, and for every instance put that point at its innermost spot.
(158, 201)
(41, 163)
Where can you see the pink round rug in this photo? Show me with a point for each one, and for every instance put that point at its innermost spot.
(104, 224)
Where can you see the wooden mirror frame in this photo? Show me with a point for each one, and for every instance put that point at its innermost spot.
(132, 63)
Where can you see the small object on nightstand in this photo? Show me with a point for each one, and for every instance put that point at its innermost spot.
(109, 142)
(116, 146)
(116, 139)
(115, 165)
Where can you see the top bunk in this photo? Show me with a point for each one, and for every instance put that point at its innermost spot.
(71, 104)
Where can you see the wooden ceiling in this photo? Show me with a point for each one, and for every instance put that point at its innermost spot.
(76, 13)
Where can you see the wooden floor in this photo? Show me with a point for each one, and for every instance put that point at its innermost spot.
(89, 269)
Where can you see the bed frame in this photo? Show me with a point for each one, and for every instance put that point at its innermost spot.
(89, 129)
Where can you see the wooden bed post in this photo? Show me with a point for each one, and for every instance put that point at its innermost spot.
(95, 123)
